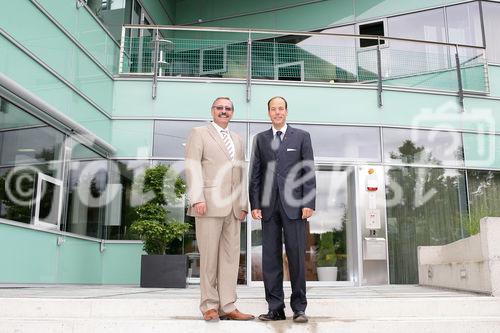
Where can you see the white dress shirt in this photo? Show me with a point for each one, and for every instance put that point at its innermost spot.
(283, 131)
(219, 129)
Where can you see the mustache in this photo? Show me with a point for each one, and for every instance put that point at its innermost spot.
(222, 113)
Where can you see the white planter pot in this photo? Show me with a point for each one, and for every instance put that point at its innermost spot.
(327, 273)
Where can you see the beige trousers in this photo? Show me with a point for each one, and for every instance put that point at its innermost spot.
(218, 241)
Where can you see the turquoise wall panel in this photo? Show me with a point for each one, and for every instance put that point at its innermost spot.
(25, 71)
(80, 261)
(420, 110)
(81, 25)
(31, 256)
(306, 103)
(56, 50)
(494, 80)
(27, 256)
(132, 138)
(482, 114)
(122, 263)
(318, 104)
(175, 99)
(482, 150)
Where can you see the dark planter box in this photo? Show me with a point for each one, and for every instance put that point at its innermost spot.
(164, 271)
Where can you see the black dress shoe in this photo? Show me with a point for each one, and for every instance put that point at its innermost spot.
(273, 315)
(300, 317)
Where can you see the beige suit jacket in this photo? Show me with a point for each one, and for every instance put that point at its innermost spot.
(212, 177)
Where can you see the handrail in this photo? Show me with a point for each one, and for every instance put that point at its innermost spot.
(295, 33)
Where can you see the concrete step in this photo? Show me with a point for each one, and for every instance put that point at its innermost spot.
(99, 309)
(192, 325)
(339, 309)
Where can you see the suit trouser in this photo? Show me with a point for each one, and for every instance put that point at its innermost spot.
(218, 241)
(272, 259)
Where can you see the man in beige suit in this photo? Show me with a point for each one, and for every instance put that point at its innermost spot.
(218, 201)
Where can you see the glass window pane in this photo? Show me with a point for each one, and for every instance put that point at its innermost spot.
(405, 58)
(491, 17)
(425, 25)
(128, 176)
(170, 137)
(425, 206)
(423, 147)
(337, 143)
(344, 143)
(31, 145)
(336, 51)
(49, 202)
(17, 190)
(464, 24)
(27, 146)
(13, 117)
(86, 204)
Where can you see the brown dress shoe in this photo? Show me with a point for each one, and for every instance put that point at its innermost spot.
(236, 315)
(211, 315)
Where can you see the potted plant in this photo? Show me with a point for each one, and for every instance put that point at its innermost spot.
(160, 234)
(326, 258)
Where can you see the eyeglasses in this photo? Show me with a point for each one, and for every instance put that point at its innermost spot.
(221, 107)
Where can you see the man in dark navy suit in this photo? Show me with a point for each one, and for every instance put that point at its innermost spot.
(282, 193)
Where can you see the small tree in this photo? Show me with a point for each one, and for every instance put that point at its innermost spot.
(326, 256)
(160, 233)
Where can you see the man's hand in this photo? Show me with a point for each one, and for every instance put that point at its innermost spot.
(243, 214)
(200, 208)
(257, 214)
(307, 213)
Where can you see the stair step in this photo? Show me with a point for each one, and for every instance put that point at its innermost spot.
(185, 325)
(344, 308)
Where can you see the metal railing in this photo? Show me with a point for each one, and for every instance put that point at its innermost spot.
(189, 52)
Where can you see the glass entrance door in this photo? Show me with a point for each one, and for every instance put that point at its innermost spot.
(331, 250)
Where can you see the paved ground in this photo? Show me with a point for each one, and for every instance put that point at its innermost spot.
(244, 292)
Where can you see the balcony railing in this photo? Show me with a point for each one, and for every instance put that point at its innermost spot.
(252, 55)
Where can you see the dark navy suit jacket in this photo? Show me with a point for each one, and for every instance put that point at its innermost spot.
(287, 172)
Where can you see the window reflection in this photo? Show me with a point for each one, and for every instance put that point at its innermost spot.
(336, 143)
(87, 193)
(344, 143)
(170, 137)
(411, 58)
(27, 147)
(424, 147)
(337, 51)
(491, 17)
(128, 175)
(464, 24)
(484, 192)
(426, 206)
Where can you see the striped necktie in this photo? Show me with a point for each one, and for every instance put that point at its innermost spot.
(227, 142)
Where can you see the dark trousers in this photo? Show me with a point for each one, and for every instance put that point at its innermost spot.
(272, 259)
